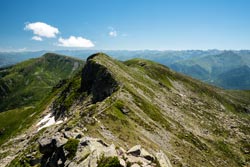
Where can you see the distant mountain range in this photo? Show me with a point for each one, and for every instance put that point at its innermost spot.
(226, 69)
(230, 70)
(164, 57)
(106, 113)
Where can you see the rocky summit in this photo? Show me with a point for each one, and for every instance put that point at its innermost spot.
(136, 113)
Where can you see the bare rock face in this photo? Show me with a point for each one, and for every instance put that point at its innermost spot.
(97, 80)
(53, 153)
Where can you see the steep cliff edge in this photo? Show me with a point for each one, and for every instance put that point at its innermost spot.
(97, 80)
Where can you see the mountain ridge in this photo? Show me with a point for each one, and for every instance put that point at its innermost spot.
(192, 123)
(195, 63)
(25, 87)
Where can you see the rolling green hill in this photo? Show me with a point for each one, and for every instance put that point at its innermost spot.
(25, 88)
(28, 82)
(138, 102)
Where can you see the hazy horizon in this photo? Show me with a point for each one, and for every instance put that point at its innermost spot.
(129, 50)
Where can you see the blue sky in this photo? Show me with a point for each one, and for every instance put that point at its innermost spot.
(124, 24)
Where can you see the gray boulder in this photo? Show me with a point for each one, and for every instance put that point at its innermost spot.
(138, 151)
(135, 150)
(163, 159)
(146, 155)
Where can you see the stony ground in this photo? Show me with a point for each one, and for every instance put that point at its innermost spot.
(144, 114)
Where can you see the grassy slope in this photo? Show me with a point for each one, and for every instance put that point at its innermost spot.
(175, 113)
(29, 81)
(193, 123)
(28, 88)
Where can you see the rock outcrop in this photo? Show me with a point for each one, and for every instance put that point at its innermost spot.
(114, 105)
(91, 150)
(53, 153)
(163, 159)
(97, 80)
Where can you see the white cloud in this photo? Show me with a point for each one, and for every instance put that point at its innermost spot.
(73, 41)
(36, 38)
(22, 49)
(113, 33)
(42, 29)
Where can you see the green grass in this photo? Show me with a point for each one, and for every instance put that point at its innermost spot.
(152, 111)
(29, 87)
(119, 105)
(210, 96)
(227, 151)
(142, 83)
(108, 162)
(28, 82)
(71, 147)
(24, 162)
(191, 138)
(14, 121)
(154, 70)
(68, 96)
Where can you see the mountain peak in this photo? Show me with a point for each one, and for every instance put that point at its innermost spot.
(97, 79)
(97, 55)
(133, 103)
(49, 54)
